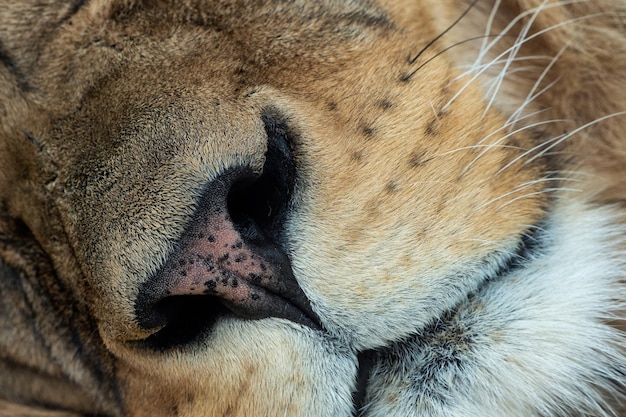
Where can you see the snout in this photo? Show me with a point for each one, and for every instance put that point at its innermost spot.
(230, 259)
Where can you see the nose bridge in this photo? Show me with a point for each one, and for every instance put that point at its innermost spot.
(219, 140)
(211, 125)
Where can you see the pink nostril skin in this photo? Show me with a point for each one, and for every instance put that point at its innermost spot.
(215, 261)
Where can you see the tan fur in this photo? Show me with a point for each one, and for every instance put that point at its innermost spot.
(114, 118)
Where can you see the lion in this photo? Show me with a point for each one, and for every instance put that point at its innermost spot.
(312, 208)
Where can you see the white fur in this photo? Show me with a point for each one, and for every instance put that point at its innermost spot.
(533, 343)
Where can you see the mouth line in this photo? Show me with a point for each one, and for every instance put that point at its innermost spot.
(181, 320)
(533, 244)
(178, 330)
(287, 303)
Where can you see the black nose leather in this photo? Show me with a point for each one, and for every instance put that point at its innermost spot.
(228, 260)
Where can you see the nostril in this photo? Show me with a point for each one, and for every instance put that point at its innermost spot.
(257, 206)
(184, 319)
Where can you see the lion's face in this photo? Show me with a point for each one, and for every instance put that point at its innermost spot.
(240, 199)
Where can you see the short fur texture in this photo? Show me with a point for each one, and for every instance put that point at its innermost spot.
(456, 213)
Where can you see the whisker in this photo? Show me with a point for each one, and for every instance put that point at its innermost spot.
(558, 140)
(490, 20)
(514, 51)
(519, 17)
(521, 129)
(507, 51)
(528, 152)
(527, 185)
(505, 137)
(449, 28)
(527, 195)
(531, 94)
(544, 191)
(513, 120)
(501, 61)
(527, 116)
(577, 130)
(496, 144)
(474, 147)
(410, 75)
(572, 174)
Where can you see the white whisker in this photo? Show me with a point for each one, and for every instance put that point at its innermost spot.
(531, 94)
(525, 186)
(528, 152)
(544, 191)
(505, 137)
(516, 46)
(514, 51)
(514, 21)
(475, 147)
(575, 131)
(490, 20)
(502, 61)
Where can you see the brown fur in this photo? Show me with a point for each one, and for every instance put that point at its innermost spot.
(113, 118)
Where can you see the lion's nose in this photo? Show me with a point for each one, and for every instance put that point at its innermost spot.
(229, 259)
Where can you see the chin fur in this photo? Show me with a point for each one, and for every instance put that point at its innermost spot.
(532, 343)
